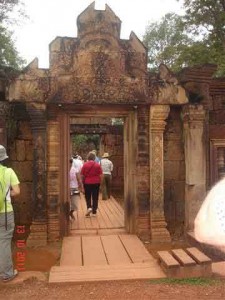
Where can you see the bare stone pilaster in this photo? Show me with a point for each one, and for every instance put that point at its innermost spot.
(158, 114)
(195, 161)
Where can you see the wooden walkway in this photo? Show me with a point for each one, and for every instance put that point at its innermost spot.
(99, 249)
(109, 218)
(105, 257)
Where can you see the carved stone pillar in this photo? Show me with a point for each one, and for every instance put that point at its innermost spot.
(38, 229)
(4, 113)
(195, 161)
(158, 114)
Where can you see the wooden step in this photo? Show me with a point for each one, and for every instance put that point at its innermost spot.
(105, 272)
(81, 232)
(180, 263)
(104, 249)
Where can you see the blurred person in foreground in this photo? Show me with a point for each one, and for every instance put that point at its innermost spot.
(209, 224)
(9, 185)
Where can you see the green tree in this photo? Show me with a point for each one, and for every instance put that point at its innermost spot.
(165, 40)
(197, 37)
(206, 18)
(9, 55)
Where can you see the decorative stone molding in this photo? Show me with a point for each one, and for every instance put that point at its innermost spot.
(37, 113)
(158, 114)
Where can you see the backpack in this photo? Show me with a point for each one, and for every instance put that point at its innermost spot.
(3, 192)
(2, 187)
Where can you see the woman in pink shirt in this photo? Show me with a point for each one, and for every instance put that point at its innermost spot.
(91, 173)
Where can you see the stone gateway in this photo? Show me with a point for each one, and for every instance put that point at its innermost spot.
(169, 151)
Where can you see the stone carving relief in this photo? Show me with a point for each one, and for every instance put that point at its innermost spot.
(158, 115)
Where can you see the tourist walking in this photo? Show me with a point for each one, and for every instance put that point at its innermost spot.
(91, 173)
(75, 187)
(77, 162)
(97, 159)
(9, 187)
(107, 168)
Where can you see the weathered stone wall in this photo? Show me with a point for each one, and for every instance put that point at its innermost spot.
(174, 173)
(216, 136)
(113, 144)
(20, 149)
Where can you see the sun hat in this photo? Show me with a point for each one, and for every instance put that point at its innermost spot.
(3, 154)
(105, 155)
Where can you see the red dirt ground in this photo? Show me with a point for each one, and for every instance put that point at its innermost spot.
(41, 259)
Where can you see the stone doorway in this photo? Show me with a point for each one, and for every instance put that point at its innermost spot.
(129, 157)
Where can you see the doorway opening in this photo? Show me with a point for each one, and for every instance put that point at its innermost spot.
(105, 135)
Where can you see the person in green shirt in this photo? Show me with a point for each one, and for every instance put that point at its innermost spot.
(7, 225)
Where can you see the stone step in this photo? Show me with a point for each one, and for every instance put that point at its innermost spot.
(106, 272)
(179, 263)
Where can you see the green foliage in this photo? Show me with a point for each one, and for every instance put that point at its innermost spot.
(6, 7)
(8, 53)
(165, 40)
(207, 15)
(197, 37)
(83, 143)
(117, 121)
(9, 56)
(187, 281)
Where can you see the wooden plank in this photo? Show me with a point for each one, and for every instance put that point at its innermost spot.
(110, 215)
(59, 269)
(100, 218)
(168, 260)
(94, 221)
(81, 223)
(114, 250)
(93, 253)
(135, 249)
(117, 206)
(104, 273)
(183, 258)
(105, 216)
(87, 220)
(71, 252)
(118, 220)
(198, 256)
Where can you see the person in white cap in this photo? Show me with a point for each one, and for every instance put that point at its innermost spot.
(9, 185)
(107, 168)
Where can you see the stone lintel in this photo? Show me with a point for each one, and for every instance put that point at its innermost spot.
(170, 94)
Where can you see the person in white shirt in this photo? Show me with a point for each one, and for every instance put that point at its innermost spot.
(77, 162)
(107, 168)
(75, 187)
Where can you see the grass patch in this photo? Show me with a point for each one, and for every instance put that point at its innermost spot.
(187, 281)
